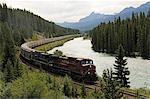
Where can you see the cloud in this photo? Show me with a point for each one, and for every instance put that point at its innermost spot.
(71, 10)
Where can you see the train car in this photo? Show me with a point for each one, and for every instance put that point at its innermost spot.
(80, 69)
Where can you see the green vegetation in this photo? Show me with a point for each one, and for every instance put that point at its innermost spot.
(58, 53)
(38, 84)
(110, 87)
(113, 82)
(133, 34)
(143, 91)
(19, 81)
(36, 36)
(86, 36)
(51, 45)
(23, 25)
(140, 91)
(83, 91)
(9, 65)
(121, 72)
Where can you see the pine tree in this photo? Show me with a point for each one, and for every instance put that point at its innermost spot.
(66, 88)
(83, 91)
(148, 13)
(4, 13)
(22, 40)
(111, 87)
(8, 72)
(74, 91)
(98, 93)
(10, 64)
(17, 69)
(53, 28)
(26, 22)
(9, 49)
(132, 33)
(121, 71)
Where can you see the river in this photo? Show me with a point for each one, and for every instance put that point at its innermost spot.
(139, 68)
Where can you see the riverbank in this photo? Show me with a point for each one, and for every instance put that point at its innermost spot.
(89, 92)
(54, 44)
(139, 77)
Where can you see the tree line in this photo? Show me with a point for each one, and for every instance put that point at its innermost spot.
(19, 81)
(14, 77)
(132, 33)
(24, 23)
(15, 26)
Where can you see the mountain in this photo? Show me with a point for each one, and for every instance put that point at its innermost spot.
(127, 12)
(87, 22)
(92, 20)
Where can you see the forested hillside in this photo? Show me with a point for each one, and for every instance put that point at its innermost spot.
(23, 25)
(133, 33)
(15, 27)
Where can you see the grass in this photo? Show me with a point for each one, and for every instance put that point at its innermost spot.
(37, 36)
(139, 91)
(55, 86)
(54, 44)
(143, 91)
(60, 80)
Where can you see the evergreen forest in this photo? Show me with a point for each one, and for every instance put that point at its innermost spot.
(20, 81)
(23, 24)
(132, 33)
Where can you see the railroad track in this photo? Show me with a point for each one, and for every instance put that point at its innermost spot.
(126, 94)
(29, 47)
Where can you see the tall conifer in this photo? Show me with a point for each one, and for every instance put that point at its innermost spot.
(121, 71)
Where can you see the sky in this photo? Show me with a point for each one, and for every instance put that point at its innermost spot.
(71, 10)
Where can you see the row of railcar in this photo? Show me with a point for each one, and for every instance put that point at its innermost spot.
(80, 69)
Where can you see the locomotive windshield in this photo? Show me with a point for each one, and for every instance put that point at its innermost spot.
(87, 62)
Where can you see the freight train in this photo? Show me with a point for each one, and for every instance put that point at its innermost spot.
(80, 69)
